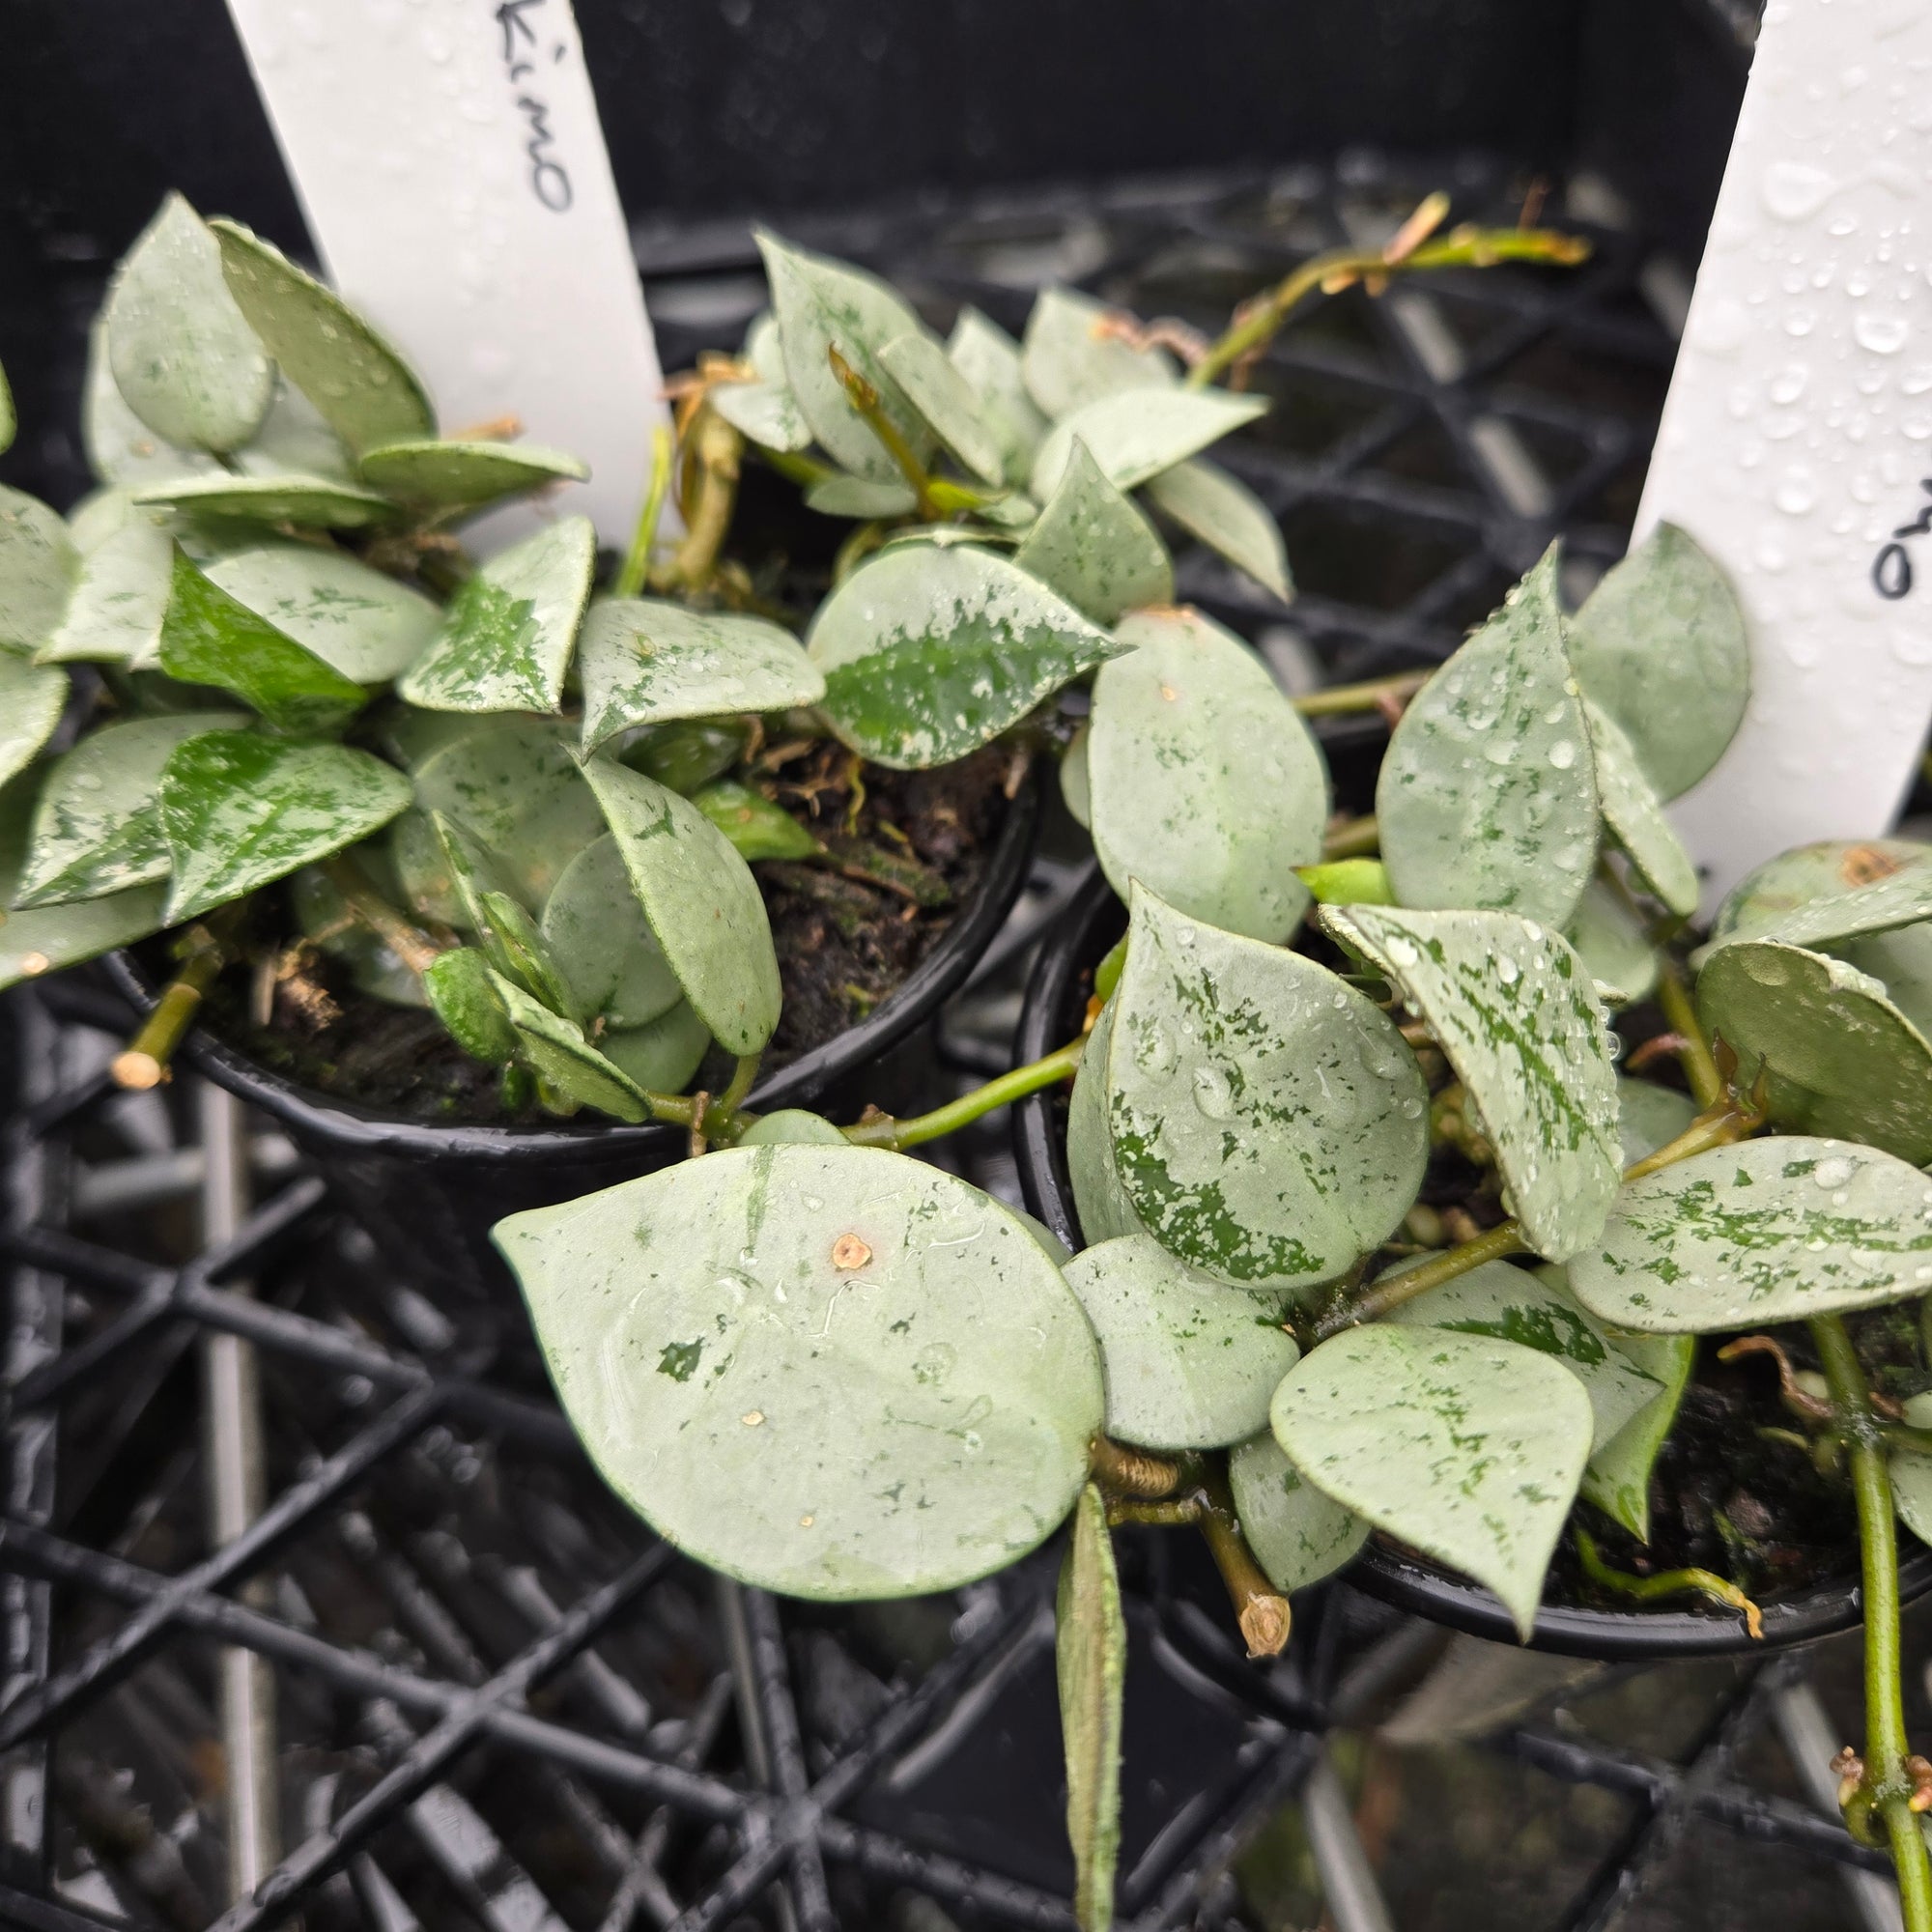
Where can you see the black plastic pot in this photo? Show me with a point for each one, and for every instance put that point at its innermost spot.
(428, 1195)
(1051, 1017)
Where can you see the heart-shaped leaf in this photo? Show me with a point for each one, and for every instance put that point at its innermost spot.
(119, 447)
(121, 594)
(791, 1126)
(462, 475)
(703, 903)
(506, 637)
(822, 305)
(1138, 433)
(597, 933)
(554, 1048)
(945, 399)
(834, 1372)
(756, 828)
(1190, 1363)
(182, 353)
(1204, 783)
(361, 386)
(663, 1056)
(1538, 1311)
(239, 810)
(1092, 545)
(366, 625)
(989, 359)
(1075, 352)
(208, 637)
(1839, 1058)
(928, 653)
(1485, 796)
(1650, 1117)
(463, 994)
(32, 699)
(315, 502)
(98, 827)
(1617, 1476)
(1511, 1007)
(645, 661)
(1635, 816)
(39, 566)
(1660, 646)
(1775, 1230)
(1266, 1121)
(1221, 511)
(1299, 1535)
(1615, 950)
(1090, 1659)
(1465, 1447)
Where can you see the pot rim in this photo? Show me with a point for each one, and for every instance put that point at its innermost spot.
(1409, 1581)
(346, 1127)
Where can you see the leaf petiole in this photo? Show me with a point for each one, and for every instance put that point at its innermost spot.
(1666, 1584)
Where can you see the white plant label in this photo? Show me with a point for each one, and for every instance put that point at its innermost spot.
(448, 157)
(1797, 441)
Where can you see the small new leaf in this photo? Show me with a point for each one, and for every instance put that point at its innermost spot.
(1091, 1664)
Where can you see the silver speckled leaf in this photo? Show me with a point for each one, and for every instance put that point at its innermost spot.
(1099, 1198)
(121, 595)
(1136, 433)
(283, 497)
(989, 359)
(1298, 1534)
(1221, 511)
(597, 933)
(1635, 816)
(1615, 950)
(1074, 355)
(1617, 1476)
(1095, 548)
(466, 474)
(363, 622)
(32, 698)
(39, 566)
(935, 387)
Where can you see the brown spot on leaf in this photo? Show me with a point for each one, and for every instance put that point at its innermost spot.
(848, 1251)
(1866, 865)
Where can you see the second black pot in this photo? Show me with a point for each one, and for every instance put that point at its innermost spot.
(1055, 1003)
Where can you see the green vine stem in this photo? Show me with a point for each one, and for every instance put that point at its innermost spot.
(1664, 1584)
(144, 1061)
(882, 1130)
(1352, 838)
(1259, 1609)
(715, 451)
(1700, 1065)
(865, 399)
(1378, 694)
(1886, 1783)
(413, 946)
(637, 564)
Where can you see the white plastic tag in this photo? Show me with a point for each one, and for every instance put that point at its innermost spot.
(449, 159)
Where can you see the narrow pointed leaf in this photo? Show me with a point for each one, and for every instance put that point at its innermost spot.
(1611, 941)
(361, 385)
(1650, 1117)
(644, 662)
(1783, 898)
(928, 653)
(989, 359)
(506, 638)
(1775, 1230)
(32, 699)
(554, 1048)
(1617, 1476)
(602, 942)
(829, 1371)
(39, 566)
(364, 624)
(1299, 1535)
(1204, 783)
(1221, 511)
(239, 810)
(1635, 816)
(1073, 354)
(1095, 547)
(1137, 434)
(1089, 1655)
(1515, 1011)
(1465, 1447)
(1903, 898)
(945, 400)
(663, 1055)
(462, 475)
(1485, 797)
(183, 355)
(314, 501)
(463, 994)
(701, 902)
(119, 596)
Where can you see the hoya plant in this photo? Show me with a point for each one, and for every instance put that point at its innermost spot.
(1381, 1239)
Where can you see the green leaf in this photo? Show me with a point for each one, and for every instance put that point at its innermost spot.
(295, 440)
(9, 421)
(1485, 797)
(32, 699)
(314, 501)
(1139, 433)
(1611, 941)
(1841, 1059)
(98, 827)
(1660, 646)
(1094, 545)
(514, 945)
(1649, 1118)
(364, 624)
(1099, 1196)
(463, 994)
(834, 1372)
(119, 447)
(1076, 786)
(1829, 917)
(686, 755)
(1189, 1362)
(506, 637)
(1538, 1311)
(1912, 1475)
(1617, 1477)
(210, 638)
(239, 810)
(791, 1127)
(1775, 1229)
(766, 414)
(554, 1048)
(703, 903)
(1071, 358)
(1901, 961)
(39, 566)
(182, 353)
(934, 386)
(1465, 1447)
(822, 304)
(1348, 882)
(989, 359)
(463, 475)
(1221, 511)
(756, 828)
(1635, 816)
(1266, 1121)
(644, 662)
(41, 942)
(597, 933)
(663, 1055)
(861, 497)
(1511, 1006)
(1090, 1659)
(514, 785)
(1298, 1534)
(361, 385)
(930, 653)
(121, 594)
(1204, 783)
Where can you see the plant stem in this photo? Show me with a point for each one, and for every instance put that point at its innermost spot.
(882, 1131)
(1720, 1129)
(804, 470)
(717, 448)
(1389, 1294)
(637, 564)
(144, 1061)
(1341, 700)
(1352, 838)
(1666, 1584)
(721, 1118)
(413, 946)
(865, 400)
(1700, 1068)
(1260, 1609)
(1886, 1778)
(1132, 1472)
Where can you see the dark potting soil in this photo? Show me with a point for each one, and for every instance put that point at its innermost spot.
(848, 934)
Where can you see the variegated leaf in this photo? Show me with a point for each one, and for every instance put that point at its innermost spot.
(1221, 511)
(1136, 433)
(1095, 548)
(1298, 1534)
